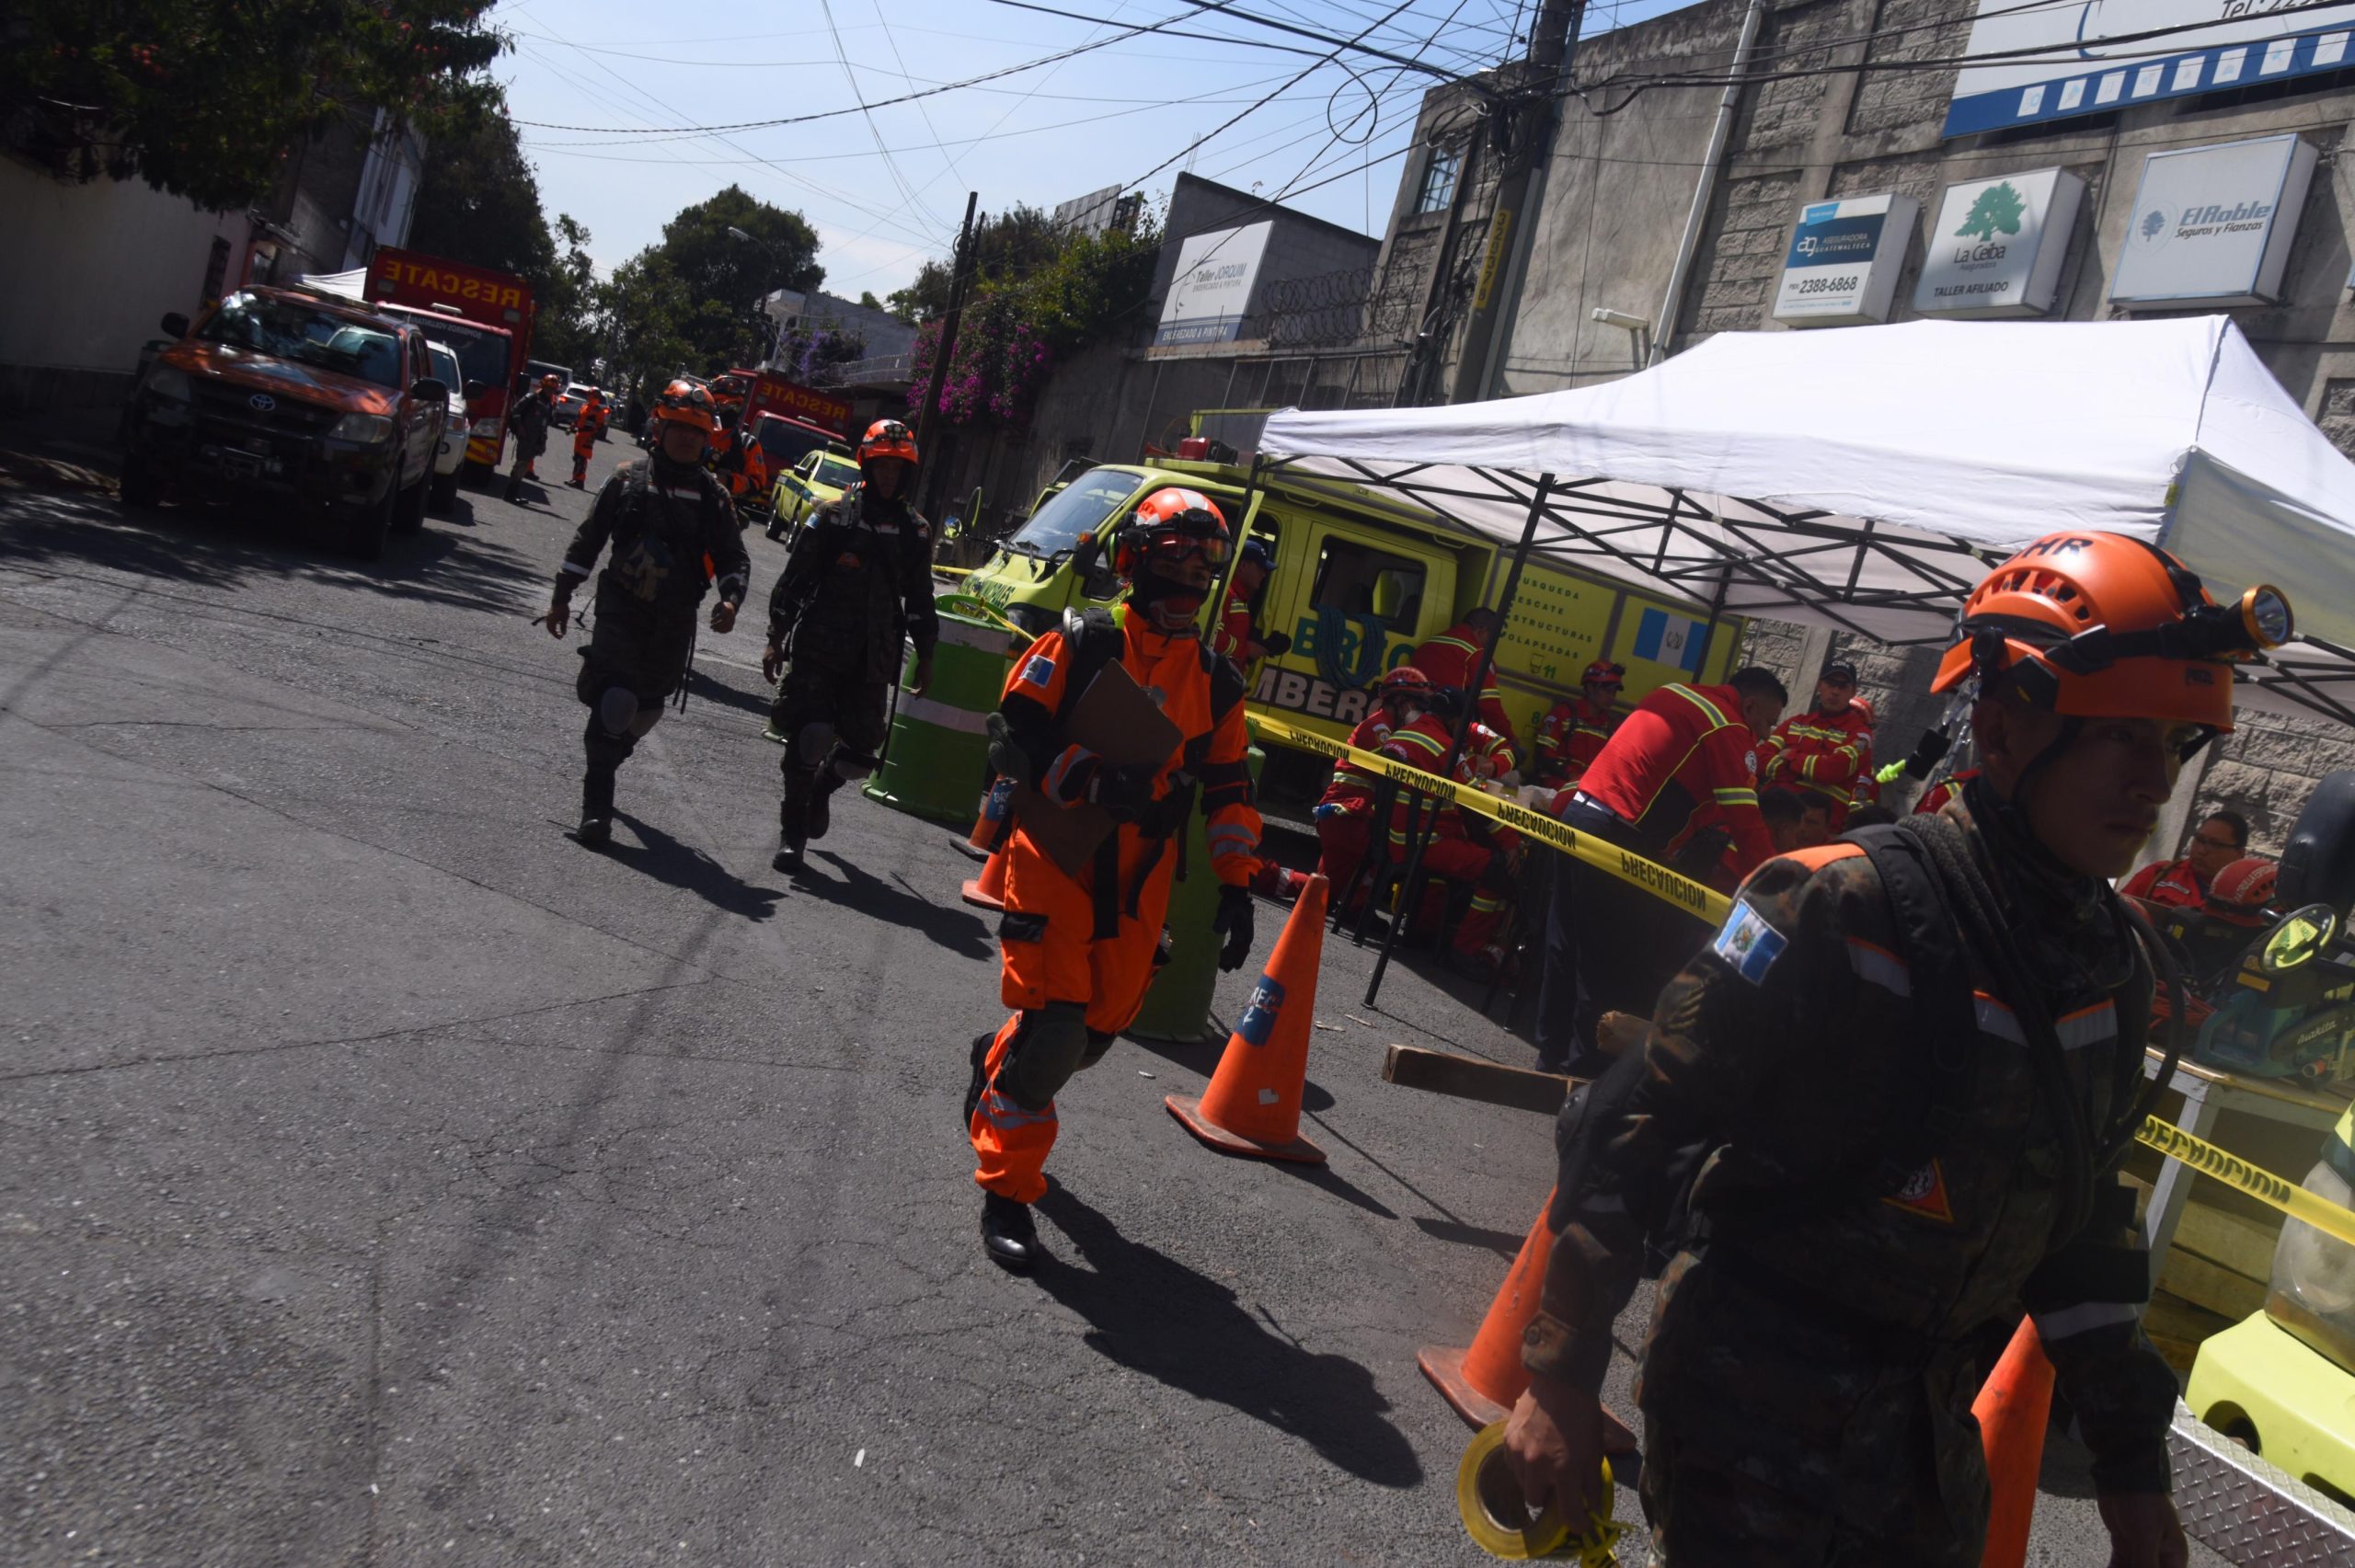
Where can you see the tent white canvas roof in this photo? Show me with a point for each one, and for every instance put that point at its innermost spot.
(1862, 478)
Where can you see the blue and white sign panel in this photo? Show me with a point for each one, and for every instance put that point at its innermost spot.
(1842, 263)
(2213, 226)
(2092, 56)
(1210, 293)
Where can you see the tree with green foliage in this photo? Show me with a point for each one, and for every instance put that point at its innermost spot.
(205, 99)
(693, 298)
(1019, 325)
(1009, 244)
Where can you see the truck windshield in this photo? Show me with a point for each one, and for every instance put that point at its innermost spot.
(1082, 505)
(286, 329)
(481, 355)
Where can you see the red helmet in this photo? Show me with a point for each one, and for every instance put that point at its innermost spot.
(1172, 522)
(2242, 890)
(887, 438)
(552, 384)
(1602, 672)
(1407, 681)
(685, 402)
(2100, 625)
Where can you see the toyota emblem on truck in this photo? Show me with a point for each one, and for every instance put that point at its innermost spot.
(261, 402)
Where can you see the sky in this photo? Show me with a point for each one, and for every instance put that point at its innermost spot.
(594, 85)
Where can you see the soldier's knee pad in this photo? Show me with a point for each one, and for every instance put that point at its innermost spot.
(1045, 1051)
(811, 744)
(848, 765)
(646, 719)
(618, 710)
(1098, 1042)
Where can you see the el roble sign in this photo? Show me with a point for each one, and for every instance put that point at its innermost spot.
(1997, 245)
(2212, 225)
(1842, 264)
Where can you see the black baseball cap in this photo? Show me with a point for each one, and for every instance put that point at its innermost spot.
(1840, 673)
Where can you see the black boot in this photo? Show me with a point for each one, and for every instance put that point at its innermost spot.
(816, 815)
(605, 755)
(1008, 1233)
(981, 1077)
(790, 833)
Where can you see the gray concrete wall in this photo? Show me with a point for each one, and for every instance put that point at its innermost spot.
(88, 272)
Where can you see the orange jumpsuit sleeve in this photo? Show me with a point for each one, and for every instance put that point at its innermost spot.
(1235, 825)
(1034, 694)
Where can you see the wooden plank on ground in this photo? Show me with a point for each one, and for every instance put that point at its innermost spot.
(1469, 1078)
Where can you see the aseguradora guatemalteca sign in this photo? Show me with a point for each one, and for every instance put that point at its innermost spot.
(1997, 245)
(2212, 225)
(1842, 266)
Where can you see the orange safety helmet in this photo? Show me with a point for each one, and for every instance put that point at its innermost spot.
(1602, 672)
(887, 438)
(685, 402)
(1407, 681)
(1172, 521)
(2100, 626)
(2242, 890)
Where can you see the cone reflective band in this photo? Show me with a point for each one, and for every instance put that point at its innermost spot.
(1695, 898)
(1496, 1517)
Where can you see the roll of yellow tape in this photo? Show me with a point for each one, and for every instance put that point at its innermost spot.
(1498, 1518)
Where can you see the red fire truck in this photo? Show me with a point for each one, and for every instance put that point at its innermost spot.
(484, 316)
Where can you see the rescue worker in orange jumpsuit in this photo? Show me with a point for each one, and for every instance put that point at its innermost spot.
(1827, 752)
(1344, 814)
(1238, 636)
(2183, 883)
(1685, 759)
(1572, 733)
(1449, 657)
(1078, 951)
(585, 431)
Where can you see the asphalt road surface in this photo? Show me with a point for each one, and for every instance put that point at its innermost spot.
(389, 1180)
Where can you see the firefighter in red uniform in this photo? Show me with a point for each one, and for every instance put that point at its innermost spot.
(1344, 813)
(2183, 883)
(1078, 951)
(1461, 849)
(1571, 734)
(1826, 753)
(1238, 635)
(1686, 757)
(1934, 799)
(1449, 657)
(585, 430)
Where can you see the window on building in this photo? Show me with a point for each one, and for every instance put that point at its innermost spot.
(1358, 581)
(1439, 180)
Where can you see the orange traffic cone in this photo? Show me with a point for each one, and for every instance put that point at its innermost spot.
(2013, 1409)
(1252, 1106)
(1483, 1379)
(987, 891)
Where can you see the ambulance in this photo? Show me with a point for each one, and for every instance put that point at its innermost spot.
(1361, 579)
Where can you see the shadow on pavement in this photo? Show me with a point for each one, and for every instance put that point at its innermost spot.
(680, 865)
(1504, 1243)
(1154, 1315)
(950, 926)
(702, 683)
(445, 562)
(1323, 1178)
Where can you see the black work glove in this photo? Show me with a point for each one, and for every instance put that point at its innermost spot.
(1234, 922)
(1124, 793)
(1276, 644)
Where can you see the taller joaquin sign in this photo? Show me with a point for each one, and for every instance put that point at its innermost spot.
(1996, 247)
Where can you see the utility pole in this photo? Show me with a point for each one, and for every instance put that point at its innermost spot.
(960, 268)
(1527, 121)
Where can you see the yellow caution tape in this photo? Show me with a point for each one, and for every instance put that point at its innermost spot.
(1498, 1520)
(2240, 1176)
(1695, 898)
(952, 571)
(981, 610)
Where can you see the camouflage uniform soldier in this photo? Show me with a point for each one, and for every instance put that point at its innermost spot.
(672, 534)
(1869, 1126)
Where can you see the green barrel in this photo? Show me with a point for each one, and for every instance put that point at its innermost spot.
(1177, 1008)
(939, 746)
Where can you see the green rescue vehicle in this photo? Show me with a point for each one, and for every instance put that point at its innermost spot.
(1360, 579)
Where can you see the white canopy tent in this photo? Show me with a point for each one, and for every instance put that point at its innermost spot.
(1862, 478)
